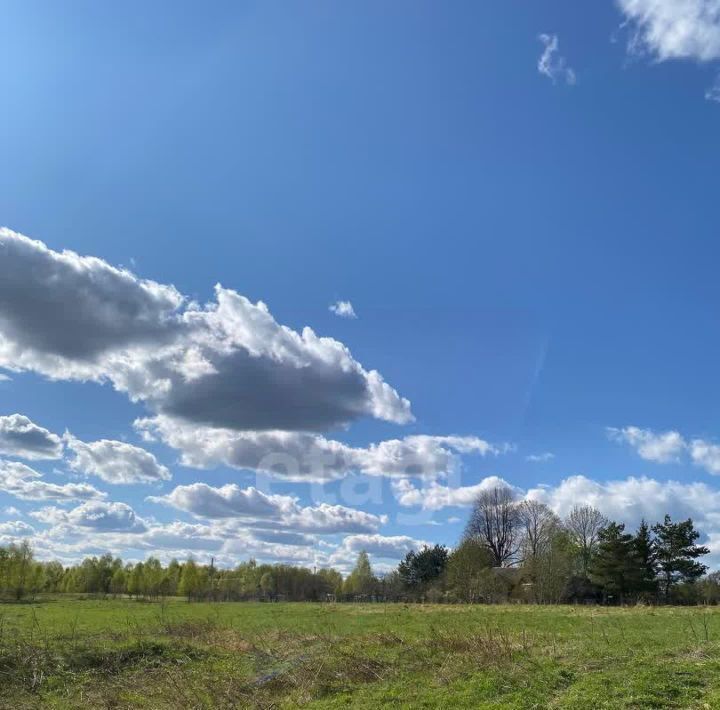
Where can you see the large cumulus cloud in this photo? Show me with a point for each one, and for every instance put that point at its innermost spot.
(57, 307)
(225, 364)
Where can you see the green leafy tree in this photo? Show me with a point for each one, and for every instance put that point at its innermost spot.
(194, 581)
(54, 576)
(173, 574)
(267, 584)
(136, 581)
(331, 581)
(118, 582)
(152, 577)
(188, 580)
(361, 581)
(419, 569)
(19, 570)
(466, 570)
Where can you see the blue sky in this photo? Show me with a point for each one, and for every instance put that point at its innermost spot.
(529, 246)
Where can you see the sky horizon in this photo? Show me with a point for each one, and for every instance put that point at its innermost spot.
(292, 281)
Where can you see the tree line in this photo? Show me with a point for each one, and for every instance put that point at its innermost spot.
(22, 576)
(523, 550)
(510, 551)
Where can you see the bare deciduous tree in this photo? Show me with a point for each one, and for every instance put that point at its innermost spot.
(552, 568)
(584, 523)
(495, 523)
(539, 524)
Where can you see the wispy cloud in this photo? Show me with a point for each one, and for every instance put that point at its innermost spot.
(552, 64)
(713, 92)
(540, 458)
(343, 309)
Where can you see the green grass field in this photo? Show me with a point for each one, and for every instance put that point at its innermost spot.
(76, 653)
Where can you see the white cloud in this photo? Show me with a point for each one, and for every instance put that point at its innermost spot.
(176, 536)
(302, 456)
(227, 364)
(99, 516)
(25, 483)
(15, 528)
(228, 501)
(343, 309)
(116, 461)
(250, 504)
(705, 454)
(631, 499)
(662, 447)
(4, 377)
(436, 496)
(279, 537)
(713, 93)
(674, 29)
(21, 437)
(329, 519)
(551, 64)
(283, 537)
(669, 447)
(393, 547)
(419, 455)
(110, 308)
(113, 461)
(50, 515)
(118, 530)
(540, 458)
(627, 500)
(273, 552)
